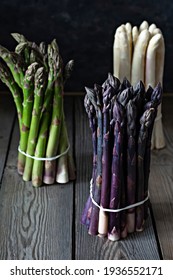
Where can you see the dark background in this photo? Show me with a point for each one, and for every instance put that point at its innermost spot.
(84, 31)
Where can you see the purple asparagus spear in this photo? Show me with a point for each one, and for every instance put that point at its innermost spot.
(153, 100)
(114, 218)
(86, 215)
(106, 161)
(95, 97)
(131, 112)
(146, 121)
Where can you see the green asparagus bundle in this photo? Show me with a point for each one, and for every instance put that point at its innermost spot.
(138, 54)
(35, 75)
(121, 118)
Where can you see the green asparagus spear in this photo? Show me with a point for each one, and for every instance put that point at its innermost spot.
(28, 99)
(7, 78)
(40, 80)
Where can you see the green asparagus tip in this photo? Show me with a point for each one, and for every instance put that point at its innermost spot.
(55, 46)
(18, 37)
(20, 47)
(30, 72)
(39, 77)
(4, 73)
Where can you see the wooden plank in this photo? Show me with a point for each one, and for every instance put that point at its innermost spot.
(161, 193)
(35, 223)
(92, 247)
(7, 114)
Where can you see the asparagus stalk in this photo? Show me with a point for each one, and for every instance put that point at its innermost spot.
(125, 59)
(106, 163)
(123, 99)
(56, 122)
(138, 61)
(115, 194)
(96, 100)
(62, 175)
(39, 87)
(153, 102)
(7, 78)
(116, 55)
(144, 25)
(135, 34)
(145, 121)
(25, 51)
(128, 28)
(37, 176)
(159, 141)
(131, 112)
(28, 94)
(15, 64)
(86, 215)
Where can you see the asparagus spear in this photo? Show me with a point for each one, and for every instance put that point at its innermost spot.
(116, 55)
(39, 87)
(114, 218)
(125, 59)
(96, 99)
(123, 99)
(56, 122)
(128, 28)
(145, 121)
(86, 215)
(62, 175)
(135, 34)
(7, 78)
(28, 94)
(144, 25)
(131, 112)
(153, 102)
(15, 64)
(45, 117)
(158, 135)
(106, 163)
(25, 51)
(138, 61)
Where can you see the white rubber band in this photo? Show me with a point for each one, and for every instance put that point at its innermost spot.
(47, 158)
(115, 210)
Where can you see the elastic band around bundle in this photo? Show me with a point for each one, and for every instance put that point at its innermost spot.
(45, 158)
(115, 210)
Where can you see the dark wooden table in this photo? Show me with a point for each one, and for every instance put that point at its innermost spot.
(44, 223)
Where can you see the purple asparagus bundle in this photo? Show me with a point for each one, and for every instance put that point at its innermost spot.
(121, 119)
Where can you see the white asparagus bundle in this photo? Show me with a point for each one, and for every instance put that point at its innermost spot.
(142, 52)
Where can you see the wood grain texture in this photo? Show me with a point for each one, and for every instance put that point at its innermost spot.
(7, 114)
(161, 193)
(92, 247)
(35, 223)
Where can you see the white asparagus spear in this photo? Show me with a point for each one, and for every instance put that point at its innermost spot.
(135, 34)
(144, 25)
(125, 65)
(116, 55)
(128, 27)
(152, 27)
(138, 62)
(150, 71)
(156, 31)
(158, 135)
